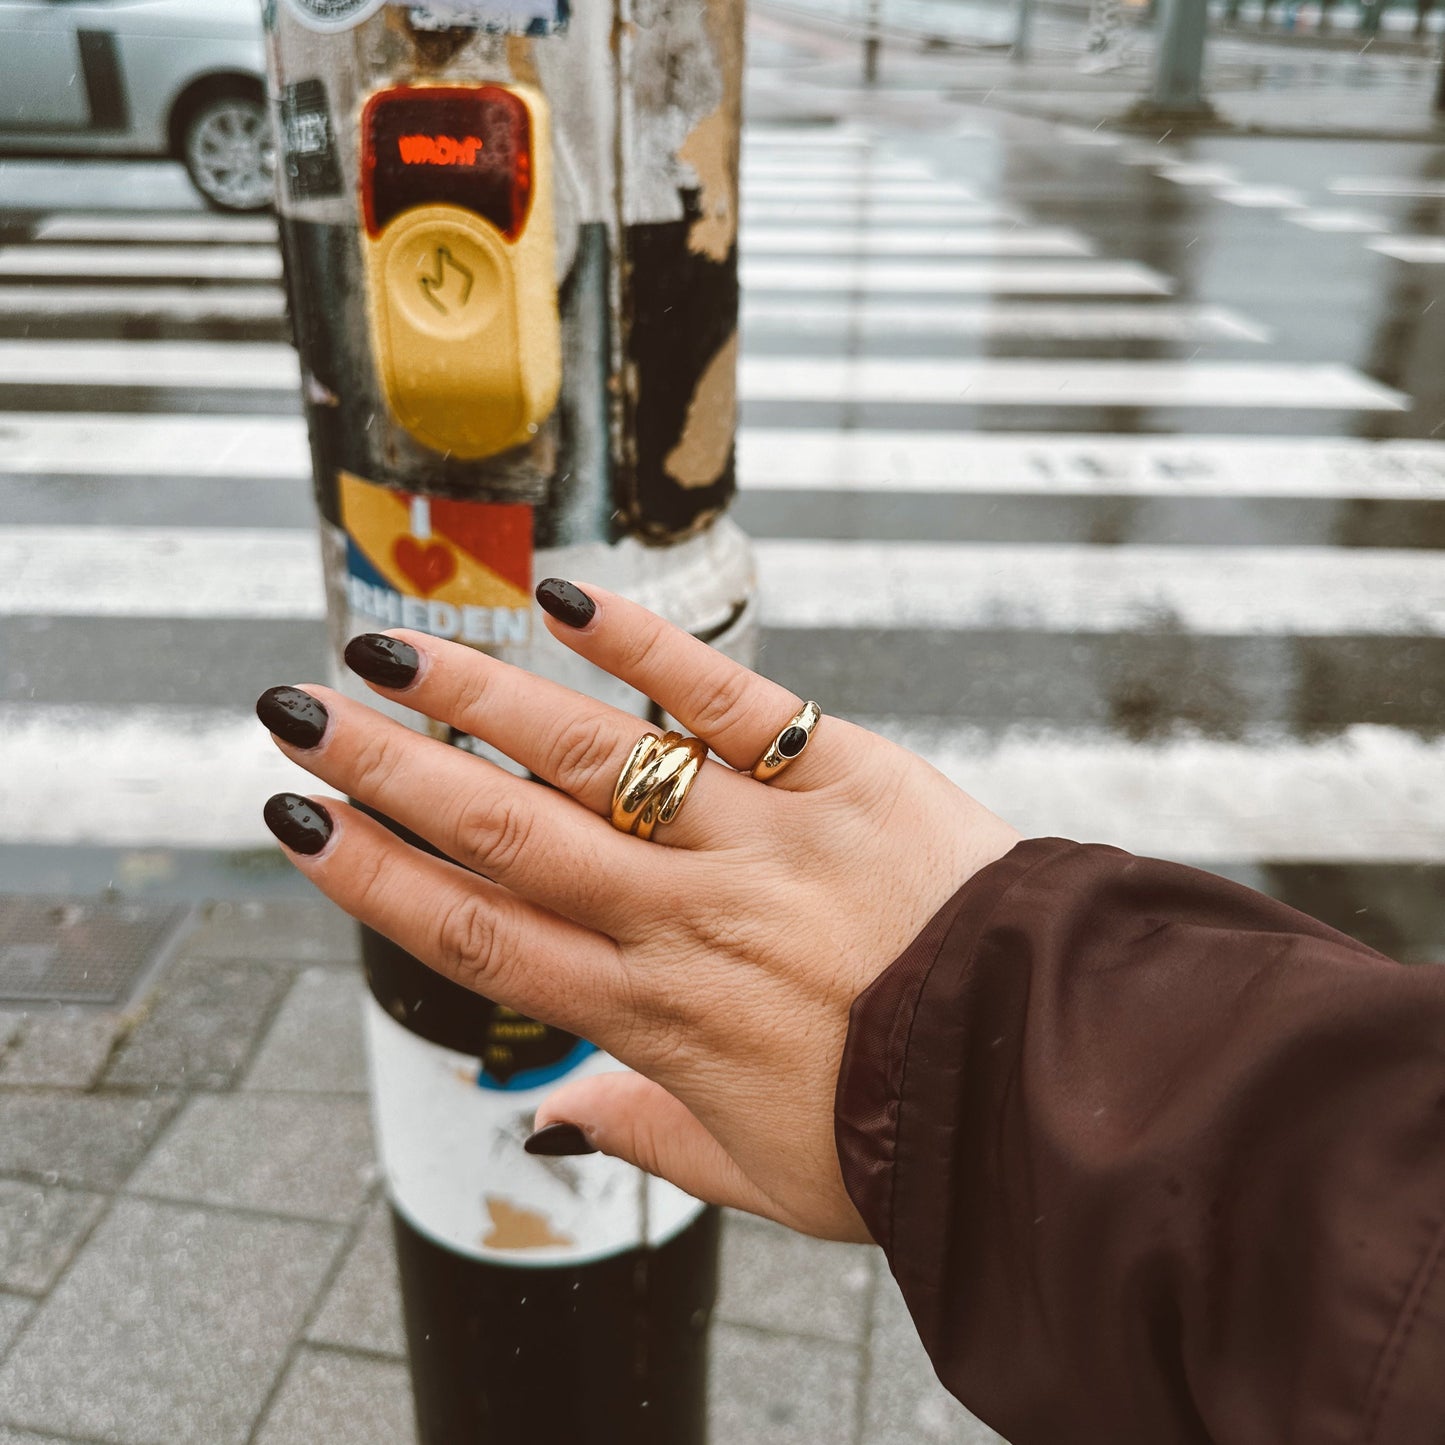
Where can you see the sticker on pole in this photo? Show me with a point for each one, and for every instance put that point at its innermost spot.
(308, 147)
(459, 570)
(497, 17)
(333, 14)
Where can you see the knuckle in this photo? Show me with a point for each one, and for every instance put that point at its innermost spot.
(468, 944)
(584, 753)
(377, 760)
(495, 834)
(719, 705)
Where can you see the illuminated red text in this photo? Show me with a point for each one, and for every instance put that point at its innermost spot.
(439, 150)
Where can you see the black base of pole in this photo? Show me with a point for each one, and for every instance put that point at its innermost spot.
(611, 1353)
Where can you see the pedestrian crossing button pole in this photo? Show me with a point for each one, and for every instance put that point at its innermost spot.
(511, 258)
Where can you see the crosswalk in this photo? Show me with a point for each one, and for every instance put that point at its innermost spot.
(1084, 537)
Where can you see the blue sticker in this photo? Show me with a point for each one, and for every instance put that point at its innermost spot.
(496, 17)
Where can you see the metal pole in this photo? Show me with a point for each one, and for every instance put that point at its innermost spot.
(1440, 87)
(1179, 57)
(1023, 30)
(871, 43)
(512, 264)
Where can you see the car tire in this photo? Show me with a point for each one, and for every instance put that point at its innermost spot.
(228, 151)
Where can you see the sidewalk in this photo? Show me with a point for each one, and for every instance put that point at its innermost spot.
(194, 1250)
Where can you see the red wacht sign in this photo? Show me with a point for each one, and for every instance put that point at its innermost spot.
(439, 150)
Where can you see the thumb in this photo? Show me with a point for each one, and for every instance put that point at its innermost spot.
(627, 1116)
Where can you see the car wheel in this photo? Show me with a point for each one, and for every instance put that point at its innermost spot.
(227, 146)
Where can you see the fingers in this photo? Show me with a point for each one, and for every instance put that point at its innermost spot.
(734, 710)
(471, 930)
(533, 840)
(576, 743)
(629, 1117)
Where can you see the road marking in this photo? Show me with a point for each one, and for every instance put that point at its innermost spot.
(1077, 137)
(204, 263)
(1387, 186)
(129, 778)
(154, 229)
(172, 303)
(1276, 198)
(250, 365)
(1372, 794)
(1026, 382)
(1192, 175)
(880, 191)
(1338, 222)
(871, 212)
(1013, 241)
(1421, 250)
(1018, 278)
(37, 443)
(781, 459)
(802, 165)
(1053, 464)
(1084, 321)
(266, 572)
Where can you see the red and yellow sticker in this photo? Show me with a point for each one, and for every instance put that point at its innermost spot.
(461, 570)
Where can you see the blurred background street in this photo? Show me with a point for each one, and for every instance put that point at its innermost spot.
(1102, 465)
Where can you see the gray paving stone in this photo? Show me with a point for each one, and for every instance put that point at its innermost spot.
(40, 1227)
(89, 1140)
(14, 1311)
(326, 1397)
(778, 1280)
(66, 1049)
(199, 1024)
(780, 1390)
(299, 1154)
(12, 1021)
(24, 1437)
(315, 1042)
(170, 1329)
(363, 1309)
(290, 930)
(904, 1404)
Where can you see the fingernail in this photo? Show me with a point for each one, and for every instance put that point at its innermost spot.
(294, 716)
(386, 661)
(303, 826)
(568, 604)
(558, 1139)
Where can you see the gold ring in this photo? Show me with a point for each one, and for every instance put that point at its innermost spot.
(788, 744)
(655, 780)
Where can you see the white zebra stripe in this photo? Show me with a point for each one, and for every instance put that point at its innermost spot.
(1369, 795)
(1420, 250)
(998, 278)
(1081, 321)
(863, 168)
(1004, 382)
(874, 213)
(1337, 222)
(258, 573)
(879, 190)
(260, 365)
(204, 263)
(158, 229)
(1277, 198)
(1404, 187)
(169, 303)
(774, 459)
(1010, 241)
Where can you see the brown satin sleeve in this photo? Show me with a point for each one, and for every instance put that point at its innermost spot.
(1157, 1159)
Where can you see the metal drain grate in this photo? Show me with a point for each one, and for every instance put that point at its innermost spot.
(65, 950)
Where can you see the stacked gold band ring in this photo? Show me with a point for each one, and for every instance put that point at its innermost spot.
(791, 741)
(655, 780)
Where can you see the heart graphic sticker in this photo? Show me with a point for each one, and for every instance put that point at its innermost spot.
(428, 566)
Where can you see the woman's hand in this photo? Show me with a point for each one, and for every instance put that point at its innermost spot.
(718, 960)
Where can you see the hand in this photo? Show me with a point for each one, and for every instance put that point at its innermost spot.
(719, 960)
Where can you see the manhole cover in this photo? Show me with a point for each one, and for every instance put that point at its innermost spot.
(64, 950)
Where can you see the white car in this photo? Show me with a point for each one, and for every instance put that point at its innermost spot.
(182, 78)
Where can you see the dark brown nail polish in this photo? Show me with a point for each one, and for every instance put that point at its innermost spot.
(568, 604)
(386, 661)
(294, 716)
(557, 1139)
(303, 826)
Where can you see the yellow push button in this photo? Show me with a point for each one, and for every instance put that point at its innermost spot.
(464, 322)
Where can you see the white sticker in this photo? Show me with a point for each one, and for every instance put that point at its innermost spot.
(333, 14)
(503, 17)
(452, 1151)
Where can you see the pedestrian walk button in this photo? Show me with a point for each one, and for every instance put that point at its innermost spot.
(460, 262)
